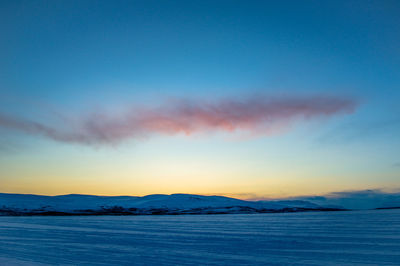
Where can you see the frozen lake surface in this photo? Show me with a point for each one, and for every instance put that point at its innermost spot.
(317, 238)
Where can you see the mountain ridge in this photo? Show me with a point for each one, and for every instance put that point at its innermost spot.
(178, 203)
(181, 203)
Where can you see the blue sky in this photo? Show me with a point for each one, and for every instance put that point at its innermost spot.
(83, 60)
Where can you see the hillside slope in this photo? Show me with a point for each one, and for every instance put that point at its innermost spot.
(73, 204)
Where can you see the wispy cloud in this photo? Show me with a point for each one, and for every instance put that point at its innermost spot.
(360, 130)
(357, 199)
(260, 115)
(396, 164)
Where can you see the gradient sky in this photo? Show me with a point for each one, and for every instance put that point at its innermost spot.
(240, 98)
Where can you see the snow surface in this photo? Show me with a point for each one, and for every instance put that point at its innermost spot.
(306, 238)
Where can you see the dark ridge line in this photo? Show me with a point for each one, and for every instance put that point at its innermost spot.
(387, 208)
(126, 212)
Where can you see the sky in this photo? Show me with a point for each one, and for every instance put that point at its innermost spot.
(250, 99)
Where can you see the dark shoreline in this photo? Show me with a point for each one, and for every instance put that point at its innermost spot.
(124, 212)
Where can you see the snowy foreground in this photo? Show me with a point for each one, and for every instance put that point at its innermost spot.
(304, 238)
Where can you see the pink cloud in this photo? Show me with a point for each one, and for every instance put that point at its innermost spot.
(263, 116)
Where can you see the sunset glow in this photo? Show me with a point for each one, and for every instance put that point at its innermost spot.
(204, 97)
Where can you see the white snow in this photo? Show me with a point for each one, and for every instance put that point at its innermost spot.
(176, 202)
(186, 203)
(306, 238)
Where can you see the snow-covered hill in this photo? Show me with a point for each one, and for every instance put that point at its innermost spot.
(25, 204)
